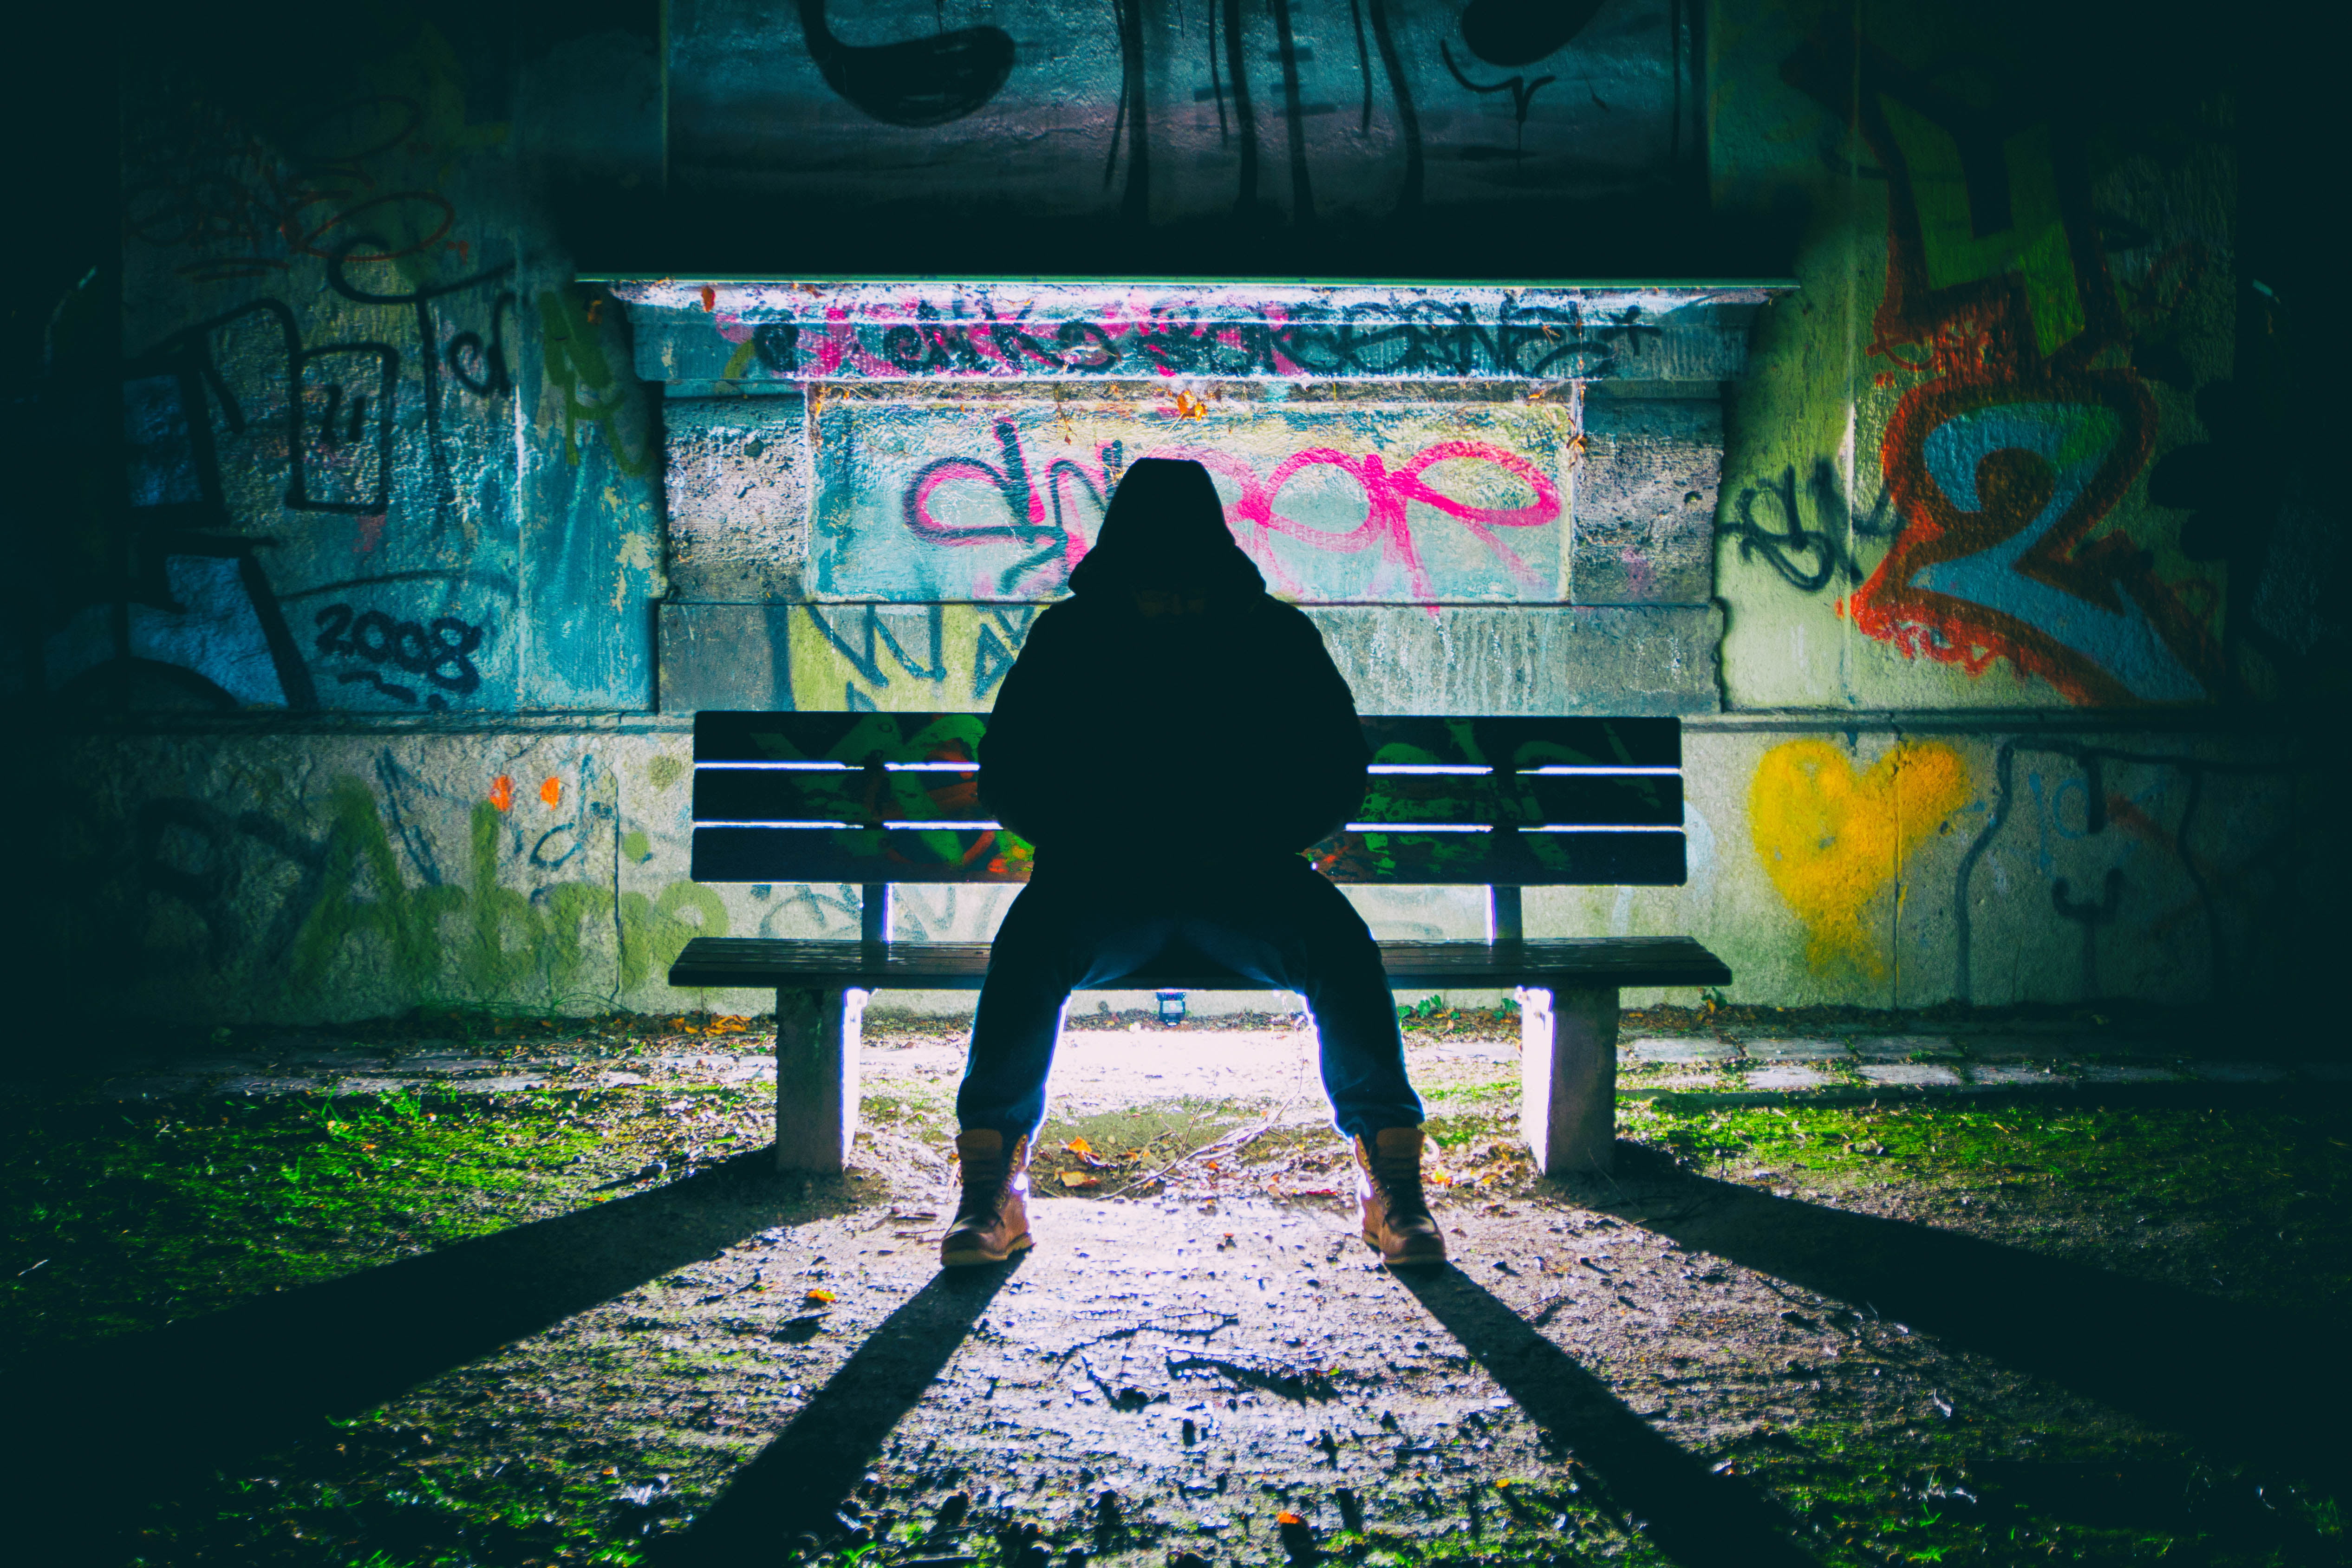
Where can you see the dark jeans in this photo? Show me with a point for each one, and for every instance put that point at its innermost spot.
(1285, 925)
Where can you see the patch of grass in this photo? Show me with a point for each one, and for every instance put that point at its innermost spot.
(2278, 1179)
(120, 1218)
(1908, 1496)
(1432, 1015)
(379, 1493)
(1486, 1089)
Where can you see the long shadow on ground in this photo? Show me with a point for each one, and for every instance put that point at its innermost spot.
(137, 1416)
(800, 1478)
(1697, 1518)
(2241, 1380)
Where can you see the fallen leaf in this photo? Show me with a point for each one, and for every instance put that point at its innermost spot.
(1079, 1146)
(1286, 1517)
(1080, 1178)
(820, 1296)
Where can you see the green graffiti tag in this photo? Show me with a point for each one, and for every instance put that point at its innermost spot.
(576, 363)
(495, 942)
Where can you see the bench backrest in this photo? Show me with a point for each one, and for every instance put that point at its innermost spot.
(877, 798)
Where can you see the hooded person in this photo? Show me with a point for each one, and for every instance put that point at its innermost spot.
(1169, 739)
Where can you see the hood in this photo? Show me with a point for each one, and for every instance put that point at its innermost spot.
(1165, 529)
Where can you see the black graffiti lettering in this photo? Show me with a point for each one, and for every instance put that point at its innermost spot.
(1076, 337)
(438, 650)
(372, 636)
(488, 376)
(410, 650)
(947, 347)
(1308, 341)
(1786, 548)
(336, 619)
(1547, 340)
(450, 669)
(903, 347)
(776, 345)
(914, 81)
(369, 677)
(1450, 336)
(1013, 340)
(1434, 337)
(429, 358)
(1373, 339)
(2090, 915)
(364, 478)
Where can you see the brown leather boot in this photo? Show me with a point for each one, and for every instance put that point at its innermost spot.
(992, 1220)
(1397, 1221)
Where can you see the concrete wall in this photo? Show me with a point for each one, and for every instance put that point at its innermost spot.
(309, 877)
(1993, 602)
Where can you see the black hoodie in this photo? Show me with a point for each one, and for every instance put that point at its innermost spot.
(1169, 720)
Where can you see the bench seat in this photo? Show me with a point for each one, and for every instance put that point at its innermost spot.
(1568, 962)
(1565, 988)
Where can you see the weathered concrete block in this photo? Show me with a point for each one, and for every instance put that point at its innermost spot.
(738, 498)
(1644, 502)
(1618, 660)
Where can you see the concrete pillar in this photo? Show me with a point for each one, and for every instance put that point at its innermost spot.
(816, 1077)
(1568, 1078)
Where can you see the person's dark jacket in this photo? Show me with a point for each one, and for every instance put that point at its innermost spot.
(1170, 717)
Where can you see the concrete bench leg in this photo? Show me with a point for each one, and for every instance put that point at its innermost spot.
(816, 1078)
(1568, 1078)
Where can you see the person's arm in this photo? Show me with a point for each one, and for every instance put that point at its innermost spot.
(1021, 761)
(1324, 786)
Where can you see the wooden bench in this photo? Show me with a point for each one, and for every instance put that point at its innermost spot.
(878, 798)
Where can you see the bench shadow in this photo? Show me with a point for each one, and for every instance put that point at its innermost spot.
(797, 1481)
(1697, 1518)
(139, 1414)
(2240, 1379)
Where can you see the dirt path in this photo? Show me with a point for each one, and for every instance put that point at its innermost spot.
(1935, 1329)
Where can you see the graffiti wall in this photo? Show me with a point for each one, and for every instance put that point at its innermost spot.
(309, 878)
(1909, 869)
(1296, 111)
(1966, 474)
(377, 453)
(387, 555)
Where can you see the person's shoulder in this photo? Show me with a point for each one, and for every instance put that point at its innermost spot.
(1272, 617)
(1062, 617)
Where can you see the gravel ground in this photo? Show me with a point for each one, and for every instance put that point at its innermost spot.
(1700, 1360)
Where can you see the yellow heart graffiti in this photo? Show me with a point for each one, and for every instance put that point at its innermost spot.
(1831, 838)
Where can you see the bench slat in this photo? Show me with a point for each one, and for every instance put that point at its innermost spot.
(1601, 857)
(769, 963)
(734, 794)
(858, 854)
(1526, 742)
(1525, 800)
(855, 737)
(849, 737)
(1606, 857)
(724, 794)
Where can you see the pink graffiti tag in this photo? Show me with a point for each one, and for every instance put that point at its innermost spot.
(1045, 514)
(1387, 494)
